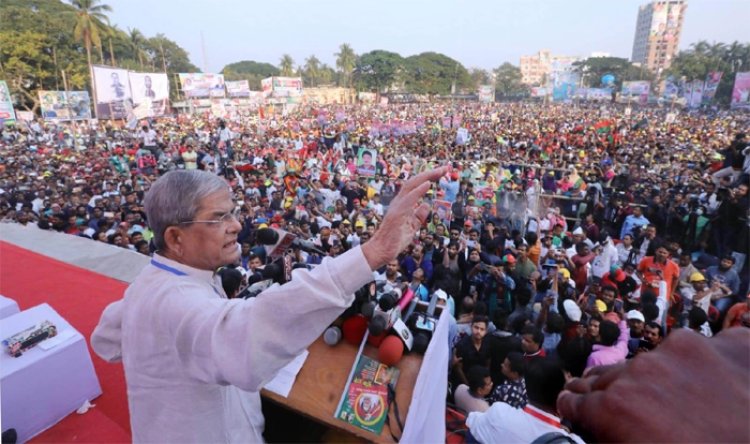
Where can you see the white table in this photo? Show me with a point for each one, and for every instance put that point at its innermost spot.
(7, 307)
(42, 387)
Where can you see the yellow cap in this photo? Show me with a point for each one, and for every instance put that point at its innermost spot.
(697, 277)
(565, 273)
(601, 306)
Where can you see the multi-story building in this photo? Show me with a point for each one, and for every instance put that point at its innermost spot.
(536, 69)
(657, 33)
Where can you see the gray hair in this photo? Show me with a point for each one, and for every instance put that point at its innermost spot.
(175, 197)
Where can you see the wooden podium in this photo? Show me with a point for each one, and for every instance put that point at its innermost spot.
(321, 382)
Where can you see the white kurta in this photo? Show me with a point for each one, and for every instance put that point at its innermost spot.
(194, 361)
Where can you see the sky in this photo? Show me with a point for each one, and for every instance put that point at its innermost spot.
(481, 34)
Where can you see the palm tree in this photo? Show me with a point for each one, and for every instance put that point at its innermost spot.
(90, 23)
(346, 60)
(312, 69)
(136, 44)
(287, 65)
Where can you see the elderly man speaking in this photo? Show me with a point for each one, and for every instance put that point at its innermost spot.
(194, 360)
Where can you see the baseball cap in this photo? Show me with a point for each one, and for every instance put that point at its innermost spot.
(346, 222)
(601, 306)
(697, 277)
(565, 273)
(359, 224)
(468, 223)
(636, 315)
(509, 259)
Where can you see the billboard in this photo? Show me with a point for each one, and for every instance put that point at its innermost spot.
(114, 99)
(202, 84)
(741, 91)
(57, 105)
(239, 88)
(486, 93)
(150, 92)
(635, 90)
(282, 86)
(6, 104)
(696, 94)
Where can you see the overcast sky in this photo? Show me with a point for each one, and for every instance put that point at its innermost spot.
(477, 33)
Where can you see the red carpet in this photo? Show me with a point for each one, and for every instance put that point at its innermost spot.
(79, 296)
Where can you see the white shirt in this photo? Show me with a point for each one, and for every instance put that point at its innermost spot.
(194, 361)
(503, 423)
(467, 402)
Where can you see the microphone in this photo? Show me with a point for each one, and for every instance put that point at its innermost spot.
(278, 241)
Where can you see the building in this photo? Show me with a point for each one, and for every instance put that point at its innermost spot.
(657, 33)
(536, 69)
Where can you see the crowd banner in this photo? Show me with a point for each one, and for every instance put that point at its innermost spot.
(6, 104)
(712, 84)
(202, 84)
(150, 91)
(59, 105)
(239, 88)
(741, 91)
(638, 89)
(486, 93)
(539, 91)
(671, 89)
(114, 100)
(279, 87)
(696, 94)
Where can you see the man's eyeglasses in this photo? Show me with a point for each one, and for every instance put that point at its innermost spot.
(224, 219)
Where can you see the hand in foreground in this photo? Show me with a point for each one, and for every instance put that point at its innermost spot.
(667, 395)
(402, 220)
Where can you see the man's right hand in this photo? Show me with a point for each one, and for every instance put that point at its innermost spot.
(404, 218)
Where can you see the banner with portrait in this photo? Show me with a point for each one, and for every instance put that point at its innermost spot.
(741, 91)
(635, 91)
(57, 105)
(6, 104)
(486, 94)
(239, 88)
(444, 211)
(366, 161)
(114, 100)
(712, 84)
(150, 91)
(202, 84)
(696, 94)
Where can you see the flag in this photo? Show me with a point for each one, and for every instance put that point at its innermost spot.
(603, 126)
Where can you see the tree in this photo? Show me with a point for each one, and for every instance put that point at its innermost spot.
(508, 81)
(479, 77)
(251, 71)
(378, 70)
(287, 65)
(594, 68)
(312, 71)
(90, 23)
(137, 42)
(346, 60)
(435, 73)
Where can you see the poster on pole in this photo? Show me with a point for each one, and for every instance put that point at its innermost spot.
(239, 88)
(741, 91)
(696, 94)
(366, 162)
(712, 84)
(114, 100)
(202, 84)
(151, 91)
(486, 94)
(7, 115)
(57, 105)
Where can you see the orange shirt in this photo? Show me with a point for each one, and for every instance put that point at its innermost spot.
(649, 269)
(534, 252)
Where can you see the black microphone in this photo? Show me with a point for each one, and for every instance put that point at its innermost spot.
(271, 237)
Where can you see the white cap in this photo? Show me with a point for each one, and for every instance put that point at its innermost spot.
(441, 295)
(637, 315)
(572, 310)
(578, 231)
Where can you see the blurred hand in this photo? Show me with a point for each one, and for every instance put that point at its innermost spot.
(403, 219)
(658, 397)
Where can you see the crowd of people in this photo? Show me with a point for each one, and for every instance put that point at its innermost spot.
(563, 238)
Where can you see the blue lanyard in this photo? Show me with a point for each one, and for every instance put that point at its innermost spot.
(168, 268)
(177, 272)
